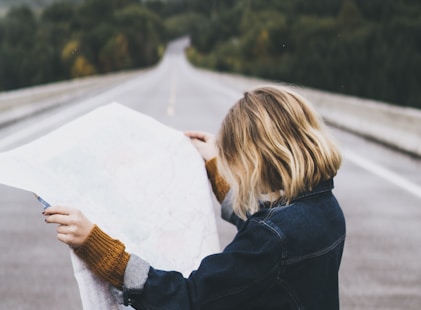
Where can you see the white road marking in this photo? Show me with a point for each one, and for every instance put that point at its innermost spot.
(171, 99)
(382, 172)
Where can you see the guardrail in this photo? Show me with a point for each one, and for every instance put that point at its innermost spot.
(398, 127)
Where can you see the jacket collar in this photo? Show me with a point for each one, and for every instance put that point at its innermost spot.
(322, 187)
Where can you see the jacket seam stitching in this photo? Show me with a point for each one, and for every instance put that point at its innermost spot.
(239, 290)
(315, 193)
(267, 226)
(314, 254)
(291, 294)
(279, 235)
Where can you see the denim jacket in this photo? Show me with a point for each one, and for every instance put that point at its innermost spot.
(283, 257)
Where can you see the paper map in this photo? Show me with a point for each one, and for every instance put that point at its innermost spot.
(140, 181)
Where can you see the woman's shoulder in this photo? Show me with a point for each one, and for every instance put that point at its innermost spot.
(305, 227)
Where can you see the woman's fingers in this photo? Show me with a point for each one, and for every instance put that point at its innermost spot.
(200, 135)
(60, 219)
(193, 134)
(197, 143)
(71, 235)
(57, 210)
(68, 239)
(204, 143)
(73, 227)
(65, 229)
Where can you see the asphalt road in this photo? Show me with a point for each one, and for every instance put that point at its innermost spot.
(378, 188)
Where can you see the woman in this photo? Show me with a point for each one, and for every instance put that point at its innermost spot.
(272, 167)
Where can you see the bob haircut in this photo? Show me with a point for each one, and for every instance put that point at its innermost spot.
(273, 146)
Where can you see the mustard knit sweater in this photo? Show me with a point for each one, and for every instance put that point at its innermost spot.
(107, 258)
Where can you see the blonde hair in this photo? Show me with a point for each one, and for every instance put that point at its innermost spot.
(272, 143)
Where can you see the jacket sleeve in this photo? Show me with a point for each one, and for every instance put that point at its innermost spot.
(222, 281)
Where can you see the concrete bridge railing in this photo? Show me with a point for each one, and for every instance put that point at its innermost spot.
(395, 126)
(18, 104)
(398, 127)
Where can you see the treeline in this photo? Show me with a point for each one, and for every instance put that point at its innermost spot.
(365, 48)
(31, 3)
(72, 40)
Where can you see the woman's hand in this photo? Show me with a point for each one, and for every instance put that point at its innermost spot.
(73, 226)
(204, 143)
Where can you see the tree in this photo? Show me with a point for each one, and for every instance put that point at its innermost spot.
(19, 28)
(115, 54)
(82, 67)
(144, 32)
(59, 12)
(349, 15)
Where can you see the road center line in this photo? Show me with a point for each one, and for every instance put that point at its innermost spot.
(382, 172)
(171, 99)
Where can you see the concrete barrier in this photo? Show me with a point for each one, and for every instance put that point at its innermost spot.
(398, 127)
(22, 103)
(395, 126)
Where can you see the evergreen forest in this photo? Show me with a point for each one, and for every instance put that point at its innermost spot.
(370, 49)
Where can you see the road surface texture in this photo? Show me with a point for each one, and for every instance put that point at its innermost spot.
(378, 188)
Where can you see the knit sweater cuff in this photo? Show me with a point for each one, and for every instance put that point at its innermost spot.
(105, 257)
(219, 186)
